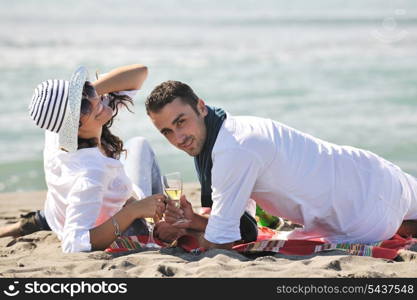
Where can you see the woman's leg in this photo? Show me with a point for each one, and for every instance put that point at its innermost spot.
(12, 230)
(141, 166)
(28, 223)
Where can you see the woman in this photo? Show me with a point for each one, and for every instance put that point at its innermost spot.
(90, 197)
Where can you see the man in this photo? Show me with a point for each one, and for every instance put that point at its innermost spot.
(339, 193)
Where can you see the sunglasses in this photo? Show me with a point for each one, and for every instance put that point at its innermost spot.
(88, 92)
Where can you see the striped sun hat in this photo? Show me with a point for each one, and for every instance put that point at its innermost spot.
(56, 105)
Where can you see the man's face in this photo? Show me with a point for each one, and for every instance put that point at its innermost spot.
(182, 126)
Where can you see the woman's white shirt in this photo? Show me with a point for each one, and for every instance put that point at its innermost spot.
(85, 188)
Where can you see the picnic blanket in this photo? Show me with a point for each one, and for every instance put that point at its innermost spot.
(270, 240)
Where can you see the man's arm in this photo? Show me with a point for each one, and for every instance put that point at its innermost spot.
(234, 174)
(197, 223)
(209, 245)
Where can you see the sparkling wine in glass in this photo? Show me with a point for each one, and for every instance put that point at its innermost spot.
(172, 184)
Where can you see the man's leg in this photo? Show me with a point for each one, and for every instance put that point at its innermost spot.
(141, 166)
(248, 228)
(409, 225)
(408, 228)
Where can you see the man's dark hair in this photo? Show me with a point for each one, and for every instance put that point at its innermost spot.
(166, 92)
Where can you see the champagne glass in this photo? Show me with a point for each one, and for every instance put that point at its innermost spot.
(172, 184)
(151, 241)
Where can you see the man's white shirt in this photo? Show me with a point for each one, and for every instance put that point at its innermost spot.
(339, 193)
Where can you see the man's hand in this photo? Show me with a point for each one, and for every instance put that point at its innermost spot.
(173, 214)
(168, 233)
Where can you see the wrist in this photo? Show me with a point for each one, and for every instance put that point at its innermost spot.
(198, 222)
(130, 213)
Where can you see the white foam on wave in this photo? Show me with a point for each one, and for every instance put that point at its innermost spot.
(317, 69)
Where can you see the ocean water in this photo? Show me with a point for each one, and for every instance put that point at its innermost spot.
(343, 71)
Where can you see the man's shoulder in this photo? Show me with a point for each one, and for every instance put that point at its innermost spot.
(245, 132)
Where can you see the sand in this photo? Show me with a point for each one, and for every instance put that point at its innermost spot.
(39, 255)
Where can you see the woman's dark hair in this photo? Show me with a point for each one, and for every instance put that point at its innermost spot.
(112, 144)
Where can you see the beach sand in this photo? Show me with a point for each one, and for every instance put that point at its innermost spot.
(39, 255)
